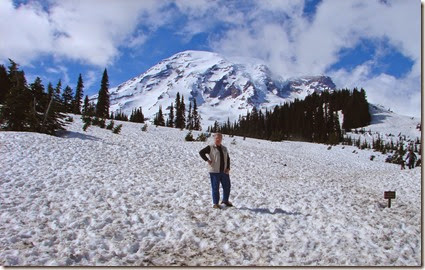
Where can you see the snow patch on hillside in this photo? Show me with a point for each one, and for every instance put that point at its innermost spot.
(390, 127)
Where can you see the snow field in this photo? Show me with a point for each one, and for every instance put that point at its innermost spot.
(143, 198)
(389, 127)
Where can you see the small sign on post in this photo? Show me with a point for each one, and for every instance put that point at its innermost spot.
(389, 195)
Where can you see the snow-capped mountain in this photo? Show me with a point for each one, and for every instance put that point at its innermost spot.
(223, 88)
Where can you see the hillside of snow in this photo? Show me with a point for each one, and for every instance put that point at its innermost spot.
(390, 127)
(389, 123)
(139, 198)
(223, 88)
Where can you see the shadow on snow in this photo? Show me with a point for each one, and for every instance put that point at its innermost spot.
(267, 211)
(76, 135)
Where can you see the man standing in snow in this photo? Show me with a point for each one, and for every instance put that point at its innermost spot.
(412, 158)
(219, 167)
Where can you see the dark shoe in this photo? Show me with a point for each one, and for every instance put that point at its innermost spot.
(216, 206)
(228, 204)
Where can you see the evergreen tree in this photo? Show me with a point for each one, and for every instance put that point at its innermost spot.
(89, 110)
(30, 108)
(102, 106)
(137, 116)
(196, 117)
(170, 120)
(319, 126)
(216, 127)
(86, 105)
(17, 113)
(189, 137)
(335, 135)
(356, 110)
(177, 121)
(183, 113)
(57, 96)
(4, 84)
(159, 118)
(364, 113)
(40, 101)
(76, 102)
(58, 89)
(189, 125)
(180, 112)
(253, 119)
(53, 118)
(67, 100)
(40, 97)
(120, 116)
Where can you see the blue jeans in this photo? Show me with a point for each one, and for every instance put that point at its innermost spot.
(216, 179)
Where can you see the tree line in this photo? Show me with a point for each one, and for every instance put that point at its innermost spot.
(314, 119)
(378, 144)
(177, 115)
(32, 107)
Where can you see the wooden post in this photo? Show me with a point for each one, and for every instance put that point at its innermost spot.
(389, 195)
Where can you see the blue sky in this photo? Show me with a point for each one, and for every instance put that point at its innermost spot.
(372, 44)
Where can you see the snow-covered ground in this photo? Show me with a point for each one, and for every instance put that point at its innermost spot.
(389, 126)
(143, 198)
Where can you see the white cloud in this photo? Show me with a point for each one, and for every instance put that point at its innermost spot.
(341, 24)
(288, 6)
(297, 45)
(30, 35)
(65, 78)
(397, 23)
(86, 31)
(137, 40)
(94, 32)
(52, 70)
(394, 93)
(204, 15)
(90, 78)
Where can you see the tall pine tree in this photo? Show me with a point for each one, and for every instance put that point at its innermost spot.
(183, 113)
(17, 113)
(196, 117)
(159, 118)
(102, 106)
(53, 118)
(4, 84)
(78, 98)
(30, 108)
(137, 116)
(170, 120)
(189, 125)
(40, 101)
(88, 108)
(180, 122)
(40, 97)
(67, 99)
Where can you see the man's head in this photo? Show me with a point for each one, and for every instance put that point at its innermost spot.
(218, 137)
